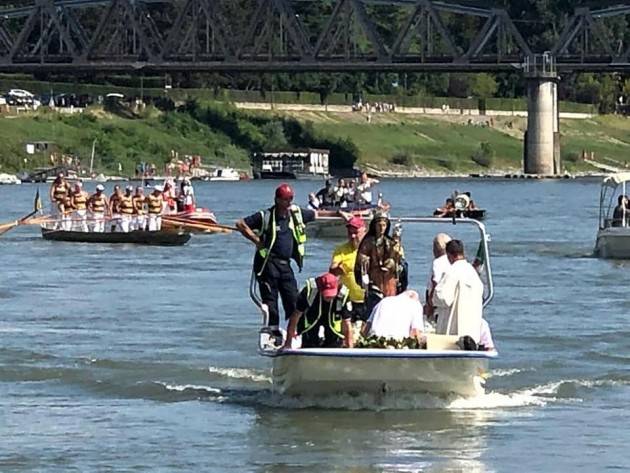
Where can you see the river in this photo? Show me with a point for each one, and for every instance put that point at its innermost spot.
(125, 358)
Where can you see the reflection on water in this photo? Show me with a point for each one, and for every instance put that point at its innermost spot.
(393, 441)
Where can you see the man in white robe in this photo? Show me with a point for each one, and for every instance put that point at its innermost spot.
(460, 294)
(397, 317)
(440, 265)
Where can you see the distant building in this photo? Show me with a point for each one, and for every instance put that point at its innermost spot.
(293, 164)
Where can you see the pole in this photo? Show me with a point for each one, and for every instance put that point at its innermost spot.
(92, 157)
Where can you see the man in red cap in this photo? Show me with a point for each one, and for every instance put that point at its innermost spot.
(342, 265)
(322, 303)
(279, 234)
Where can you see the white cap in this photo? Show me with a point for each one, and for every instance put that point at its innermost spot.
(158, 188)
(100, 187)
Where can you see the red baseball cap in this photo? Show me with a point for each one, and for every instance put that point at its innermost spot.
(355, 222)
(328, 285)
(284, 191)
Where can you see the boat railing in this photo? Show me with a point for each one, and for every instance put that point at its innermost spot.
(484, 247)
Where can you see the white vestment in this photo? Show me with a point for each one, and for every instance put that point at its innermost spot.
(460, 293)
(395, 317)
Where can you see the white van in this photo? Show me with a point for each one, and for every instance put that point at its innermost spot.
(20, 93)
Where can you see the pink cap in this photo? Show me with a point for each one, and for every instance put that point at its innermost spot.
(328, 285)
(355, 222)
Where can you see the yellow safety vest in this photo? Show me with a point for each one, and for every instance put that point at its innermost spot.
(268, 233)
(334, 310)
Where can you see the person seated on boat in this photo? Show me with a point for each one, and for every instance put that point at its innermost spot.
(98, 206)
(322, 306)
(364, 186)
(325, 196)
(342, 265)
(155, 206)
(79, 203)
(313, 202)
(379, 261)
(397, 317)
(621, 212)
(114, 208)
(339, 193)
(186, 197)
(279, 234)
(59, 191)
(459, 296)
(139, 213)
(126, 210)
(440, 265)
(447, 211)
(485, 339)
(471, 203)
(351, 194)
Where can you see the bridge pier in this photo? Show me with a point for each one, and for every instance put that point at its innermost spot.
(542, 138)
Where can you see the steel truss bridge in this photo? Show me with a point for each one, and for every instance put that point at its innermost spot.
(278, 35)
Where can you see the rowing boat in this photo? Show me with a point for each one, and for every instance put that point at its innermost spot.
(137, 237)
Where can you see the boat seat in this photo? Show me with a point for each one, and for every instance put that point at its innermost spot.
(441, 342)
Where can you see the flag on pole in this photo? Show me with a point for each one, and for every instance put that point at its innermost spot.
(37, 205)
(480, 258)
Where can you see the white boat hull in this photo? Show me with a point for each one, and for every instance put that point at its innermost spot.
(329, 371)
(613, 242)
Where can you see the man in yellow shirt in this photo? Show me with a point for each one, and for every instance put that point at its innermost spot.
(342, 265)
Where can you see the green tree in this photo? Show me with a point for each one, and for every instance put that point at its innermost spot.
(483, 86)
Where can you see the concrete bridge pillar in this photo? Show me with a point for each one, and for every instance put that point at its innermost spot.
(542, 138)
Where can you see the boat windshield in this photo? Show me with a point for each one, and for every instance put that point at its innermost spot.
(614, 206)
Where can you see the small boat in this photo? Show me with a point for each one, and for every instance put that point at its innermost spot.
(9, 179)
(335, 228)
(223, 174)
(613, 235)
(442, 369)
(462, 207)
(138, 237)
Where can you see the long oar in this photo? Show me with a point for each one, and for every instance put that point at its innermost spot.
(208, 227)
(5, 227)
(183, 221)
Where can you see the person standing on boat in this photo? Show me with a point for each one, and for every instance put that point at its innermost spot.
(187, 196)
(79, 203)
(440, 265)
(139, 214)
(98, 206)
(364, 186)
(114, 208)
(279, 234)
(155, 204)
(459, 295)
(325, 196)
(379, 262)
(322, 304)
(126, 210)
(621, 213)
(59, 193)
(342, 265)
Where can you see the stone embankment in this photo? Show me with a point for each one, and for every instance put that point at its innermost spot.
(445, 111)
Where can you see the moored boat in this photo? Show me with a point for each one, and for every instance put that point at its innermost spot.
(138, 237)
(442, 369)
(613, 235)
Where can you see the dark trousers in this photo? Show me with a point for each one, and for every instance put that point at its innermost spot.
(278, 279)
(372, 298)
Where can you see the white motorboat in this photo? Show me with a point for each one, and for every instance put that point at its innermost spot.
(441, 369)
(613, 236)
(223, 174)
(376, 370)
(9, 179)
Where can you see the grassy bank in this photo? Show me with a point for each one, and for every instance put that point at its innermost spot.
(224, 135)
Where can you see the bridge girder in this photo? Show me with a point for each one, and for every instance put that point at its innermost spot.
(276, 35)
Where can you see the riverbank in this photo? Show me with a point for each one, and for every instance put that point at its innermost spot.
(388, 144)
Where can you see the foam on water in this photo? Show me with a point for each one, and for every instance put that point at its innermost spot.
(240, 373)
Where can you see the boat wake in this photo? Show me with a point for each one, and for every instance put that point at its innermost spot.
(258, 392)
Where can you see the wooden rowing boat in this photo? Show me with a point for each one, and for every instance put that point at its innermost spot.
(136, 237)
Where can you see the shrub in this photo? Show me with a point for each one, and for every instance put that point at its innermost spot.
(402, 159)
(571, 157)
(484, 156)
